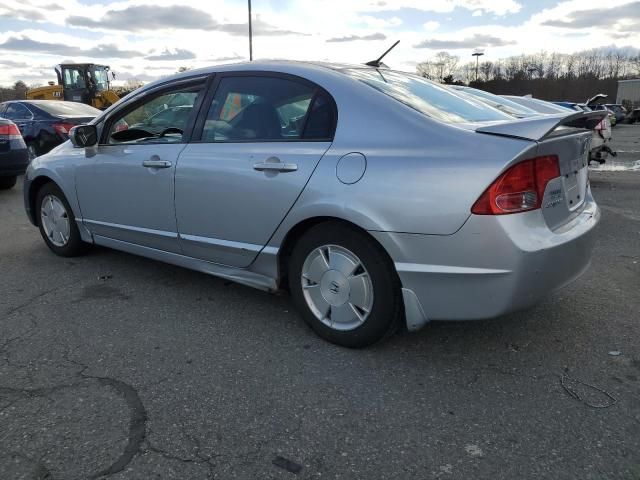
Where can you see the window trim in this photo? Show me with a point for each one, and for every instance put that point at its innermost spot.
(198, 129)
(204, 82)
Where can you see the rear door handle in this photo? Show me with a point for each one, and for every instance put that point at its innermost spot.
(156, 163)
(275, 167)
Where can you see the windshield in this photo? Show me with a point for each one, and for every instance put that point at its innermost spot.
(498, 102)
(429, 98)
(57, 107)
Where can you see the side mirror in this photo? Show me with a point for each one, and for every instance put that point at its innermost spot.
(84, 136)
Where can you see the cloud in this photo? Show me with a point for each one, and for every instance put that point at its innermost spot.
(177, 54)
(431, 25)
(374, 22)
(22, 14)
(354, 38)
(626, 17)
(478, 40)
(148, 17)
(14, 64)
(228, 58)
(23, 44)
(477, 13)
(138, 18)
(497, 7)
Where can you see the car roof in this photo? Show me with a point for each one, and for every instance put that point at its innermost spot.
(293, 67)
(39, 102)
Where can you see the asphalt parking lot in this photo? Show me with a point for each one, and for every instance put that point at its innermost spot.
(114, 366)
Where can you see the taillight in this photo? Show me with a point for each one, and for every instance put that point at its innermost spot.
(10, 131)
(518, 189)
(63, 128)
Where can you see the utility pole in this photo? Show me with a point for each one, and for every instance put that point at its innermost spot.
(477, 54)
(251, 35)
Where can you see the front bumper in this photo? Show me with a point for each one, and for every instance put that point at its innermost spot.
(492, 266)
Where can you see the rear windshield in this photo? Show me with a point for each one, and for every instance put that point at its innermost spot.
(67, 108)
(429, 98)
(498, 102)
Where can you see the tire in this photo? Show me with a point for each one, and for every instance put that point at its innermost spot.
(349, 268)
(7, 182)
(68, 243)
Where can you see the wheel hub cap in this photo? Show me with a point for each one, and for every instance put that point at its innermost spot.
(55, 220)
(337, 287)
(334, 287)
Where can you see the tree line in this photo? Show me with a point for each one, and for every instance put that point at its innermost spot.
(549, 76)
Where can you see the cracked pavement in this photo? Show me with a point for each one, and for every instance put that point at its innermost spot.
(114, 366)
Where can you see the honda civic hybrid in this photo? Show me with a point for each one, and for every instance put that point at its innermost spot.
(377, 198)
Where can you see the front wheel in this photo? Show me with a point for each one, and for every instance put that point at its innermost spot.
(345, 285)
(57, 223)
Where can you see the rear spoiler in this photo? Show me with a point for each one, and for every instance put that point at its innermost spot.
(539, 128)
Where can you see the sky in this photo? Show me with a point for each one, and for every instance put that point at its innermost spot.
(148, 39)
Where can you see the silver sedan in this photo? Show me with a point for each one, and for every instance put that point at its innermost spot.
(378, 199)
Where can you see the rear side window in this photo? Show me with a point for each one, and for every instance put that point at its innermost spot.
(260, 108)
(429, 98)
(16, 111)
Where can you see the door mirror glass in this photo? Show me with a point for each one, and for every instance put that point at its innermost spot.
(84, 136)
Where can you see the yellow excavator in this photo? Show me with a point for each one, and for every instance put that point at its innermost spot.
(79, 82)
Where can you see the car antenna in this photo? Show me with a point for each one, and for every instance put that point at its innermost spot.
(377, 63)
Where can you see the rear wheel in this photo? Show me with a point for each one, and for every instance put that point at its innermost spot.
(57, 223)
(344, 285)
(7, 182)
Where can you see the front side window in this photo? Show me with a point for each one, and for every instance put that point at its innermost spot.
(429, 98)
(160, 119)
(260, 109)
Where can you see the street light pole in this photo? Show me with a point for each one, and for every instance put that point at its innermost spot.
(477, 55)
(250, 35)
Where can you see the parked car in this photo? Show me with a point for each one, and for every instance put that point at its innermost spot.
(578, 107)
(618, 110)
(540, 106)
(597, 103)
(496, 101)
(633, 116)
(601, 138)
(13, 154)
(45, 124)
(377, 198)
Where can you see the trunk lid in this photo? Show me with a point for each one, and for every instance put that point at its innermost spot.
(569, 138)
(75, 119)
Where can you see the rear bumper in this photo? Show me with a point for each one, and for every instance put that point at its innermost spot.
(13, 162)
(492, 266)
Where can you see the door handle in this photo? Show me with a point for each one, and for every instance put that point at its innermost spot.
(156, 163)
(275, 167)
